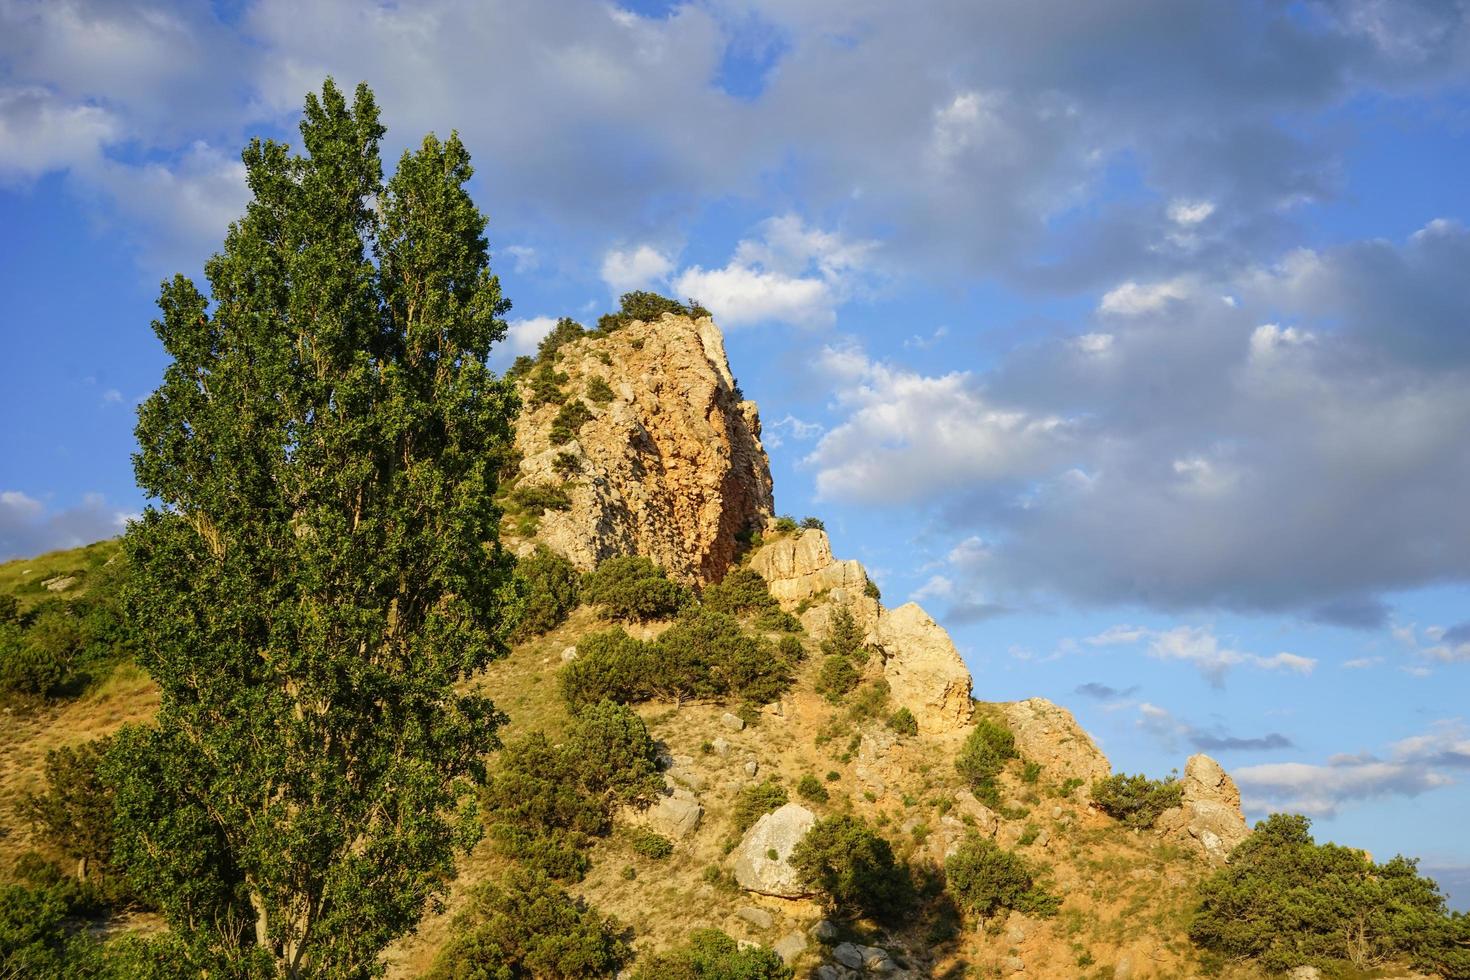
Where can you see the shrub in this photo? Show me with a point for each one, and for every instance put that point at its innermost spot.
(812, 524)
(712, 955)
(613, 755)
(785, 524)
(903, 722)
(610, 666)
(1030, 773)
(811, 788)
(526, 926)
(791, 650)
(742, 592)
(871, 590)
(1284, 900)
(546, 382)
(836, 677)
(531, 498)
(567, 464)
(74, 814)
(754, 802)
(34, 937)
(983, 756)
(853, 867)
(1136, 800)
(568, 420)
(649, 844)
(565, 331)
(871, 701)
(984, 879)
(845, 637)
(599, 392)
(552, 589)
(539, 810)
(707, 655)
(646, 306)
(633, 588)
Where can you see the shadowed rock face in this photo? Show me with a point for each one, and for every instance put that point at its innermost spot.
(671, 468)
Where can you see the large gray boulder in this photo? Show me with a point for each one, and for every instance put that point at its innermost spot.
(675, 817)
(775, 833)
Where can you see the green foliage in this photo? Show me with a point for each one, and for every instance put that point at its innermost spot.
(649, 843)
(1136, 800)
(755, 801)
(712, 955)
(526, 927)
(871, 590)
(984, 879)
(565, 331)
(530, 498)
(983, 756)
(648, 307)
(599, 392)
(552, 589)
(322, 566)
(74, 815)
(567, 464)
(610, 666)
(811, 788)
(791, 650)
(572, 416)
(785, 524)
(853, 868)
(613, 755)
(61, 647)
(632, 587)
(903, 722)
(34, 938)
(546, 382)
(871, 701)
(1030, 773)
(812, 524)
(1284, 900)
(836, 677)
(9, 610)
(742, 592)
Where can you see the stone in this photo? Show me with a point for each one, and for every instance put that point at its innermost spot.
(672, 468)
(1048, 734)
(759, 918)
(778, 831)
(733, 722)
(985, 820)
(568, 655)
(790, 946)
(1013, 964)
(60, 583)
(849, 955)
(751, 767)
(825, 931)
(691, 779)
(829, 972)
(1208, 817)
(877, 960)
(800, 567)
(721, 748)
(924, 671)
(1123, 968)
(1304, 973)
(675, 818)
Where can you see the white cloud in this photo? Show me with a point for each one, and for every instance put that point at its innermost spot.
(1094, 343)
(1136, 299)
(29, 527)
(40, 132)
(525, 257)
(635, 268)
(1268, 338)
(775, 433)
(1184, 212)
(522, 336)
(1200, 647)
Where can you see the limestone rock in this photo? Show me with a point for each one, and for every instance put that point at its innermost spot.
(790, 946)
(849, 955)
(671, 468)
(1208, 816)
(800, 566)
(984, 819)
(1048, 734)
(924, 671)
(675, 817)
(779, 831)
(757, 917)
(733, 722)
(825, 931)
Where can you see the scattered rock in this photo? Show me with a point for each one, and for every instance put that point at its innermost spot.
(672, 468)
(877, 960)
(568, 655)
(759, 918)
(800, 567)
(825, 931)
(674, 817)
(779, 831)
(1123, 968)
(1304, 973)
(849, 955)
(1048, 734)
(985, 819)
(1013, 964)
(790, 946)
(60, 583)
(923, 669)
(689, 778)
(733, 722)
(751, 767)
(721, 748)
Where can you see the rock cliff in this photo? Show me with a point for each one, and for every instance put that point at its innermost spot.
(1208, 817)
(666, 460)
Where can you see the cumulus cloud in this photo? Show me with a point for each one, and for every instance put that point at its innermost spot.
(30, 527)
(635, 268)
(40, 133)
(1409, 767)
(1200, 647)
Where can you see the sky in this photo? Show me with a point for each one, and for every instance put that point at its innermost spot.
(1132, 339)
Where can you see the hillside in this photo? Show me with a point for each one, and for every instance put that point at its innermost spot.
(636, 442)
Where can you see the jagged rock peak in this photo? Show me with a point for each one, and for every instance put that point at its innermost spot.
(1209, 816)
(1049, 734)
(670, 467)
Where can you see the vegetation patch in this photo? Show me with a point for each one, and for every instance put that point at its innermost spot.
(712, 955)
(853, 868)
(633, 588)
(1136, 800)
(984, 879)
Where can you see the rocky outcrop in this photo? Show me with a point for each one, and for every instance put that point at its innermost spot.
(1208, 817)
(761, 863)
(1047, 733)
(675, 816)
(670, 467)
(923, 669)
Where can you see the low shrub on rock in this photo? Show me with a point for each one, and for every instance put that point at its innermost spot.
(853, 868)
(755, 801)
(983, 756)
(1136, 800)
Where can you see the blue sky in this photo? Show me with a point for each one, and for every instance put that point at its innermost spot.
(1132, 339)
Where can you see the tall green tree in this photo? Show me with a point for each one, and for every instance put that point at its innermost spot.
(323, 564)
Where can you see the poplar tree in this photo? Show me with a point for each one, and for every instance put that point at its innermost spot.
(321, 566)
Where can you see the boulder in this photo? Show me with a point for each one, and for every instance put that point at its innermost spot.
(674, 817)
(1048, 734)
(779, 831)
(924, 671)
(759, 918)
(1208, 817)
(733, 722)
(790, 946)
(849, 955)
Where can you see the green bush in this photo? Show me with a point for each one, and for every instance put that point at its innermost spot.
(610, 666)
(755, 801)
(538, 810)
(742, 592)
(599, 392)
(546, 382)
(712, 955)
(983, 756)
(871, 701)
(1136, 800)
(567, 464)
(984, 879)
(537, 499)
(61, 647)
(649, 844)
(648, 307)
(811, 788)
(568, 420)
(812, 524)
(525, 926)
(633, 588)
(903, 722)
(791, 650)
(74, 815)
(1284, 900)
(9, 610)
(553, 587)
(565, 331)
(853, 868)
(613, 755)
(845, 638)
(785, 524)
(837, 677)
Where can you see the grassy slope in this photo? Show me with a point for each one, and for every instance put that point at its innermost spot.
(24, 577)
